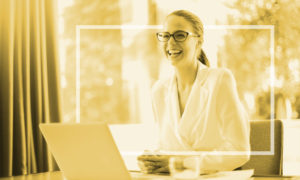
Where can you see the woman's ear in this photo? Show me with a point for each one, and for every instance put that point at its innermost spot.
(199, 48)
(199, 44)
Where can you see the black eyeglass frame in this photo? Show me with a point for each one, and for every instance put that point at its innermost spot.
(170, 35)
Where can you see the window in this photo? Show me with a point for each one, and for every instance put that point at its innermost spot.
(119, 66)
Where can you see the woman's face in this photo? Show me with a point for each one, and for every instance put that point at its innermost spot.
(180, 53)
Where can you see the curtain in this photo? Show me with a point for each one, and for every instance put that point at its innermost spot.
(29, 84)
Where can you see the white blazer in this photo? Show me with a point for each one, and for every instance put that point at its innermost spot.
(213, 119)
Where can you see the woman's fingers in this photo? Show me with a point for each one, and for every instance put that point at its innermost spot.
(150, 163)
(144, 168)
(147, 157)
(153, 166)
(154, 163)
(147, 167)
(153, 157)
(164, 169)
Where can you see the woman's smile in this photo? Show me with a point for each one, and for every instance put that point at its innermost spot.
(174, 53)
(180, 47)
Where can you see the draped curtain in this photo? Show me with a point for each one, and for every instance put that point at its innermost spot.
(29, 84)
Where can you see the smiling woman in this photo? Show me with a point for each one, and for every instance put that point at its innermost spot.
(181, 20)
(197, 108)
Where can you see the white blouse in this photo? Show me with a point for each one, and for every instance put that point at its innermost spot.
(213, 119)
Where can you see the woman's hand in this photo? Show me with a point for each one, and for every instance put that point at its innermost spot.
(153, 163)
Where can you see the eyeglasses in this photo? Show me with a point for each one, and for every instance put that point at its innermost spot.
(178, 36)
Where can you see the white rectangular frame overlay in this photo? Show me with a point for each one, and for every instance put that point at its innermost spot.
(135, 27)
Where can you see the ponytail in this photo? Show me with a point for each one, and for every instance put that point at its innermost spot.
(203, 59)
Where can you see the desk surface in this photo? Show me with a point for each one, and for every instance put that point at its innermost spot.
(136, 176)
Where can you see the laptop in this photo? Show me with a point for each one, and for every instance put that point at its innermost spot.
(85, 151)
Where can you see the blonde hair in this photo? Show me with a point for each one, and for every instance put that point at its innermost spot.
(198, 29)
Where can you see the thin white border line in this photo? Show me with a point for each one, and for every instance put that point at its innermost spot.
(272, 75)
(123, 27)
(77, 74)
(238, 26)
(195, 153)
(135, 27)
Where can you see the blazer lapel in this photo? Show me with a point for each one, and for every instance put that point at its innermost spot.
(174, 113)
(194, 108)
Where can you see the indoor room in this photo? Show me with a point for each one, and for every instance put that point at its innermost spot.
(149, 89)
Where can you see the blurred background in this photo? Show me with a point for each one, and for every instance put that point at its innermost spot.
(40, 78)
(119, 66)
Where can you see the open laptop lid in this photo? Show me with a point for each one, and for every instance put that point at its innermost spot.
(85, 151)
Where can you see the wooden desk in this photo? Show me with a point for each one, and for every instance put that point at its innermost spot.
(136, 176)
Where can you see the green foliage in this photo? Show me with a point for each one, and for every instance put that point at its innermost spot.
(101, 95)
(247, 52)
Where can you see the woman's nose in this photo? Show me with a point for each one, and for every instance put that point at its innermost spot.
(171, 41)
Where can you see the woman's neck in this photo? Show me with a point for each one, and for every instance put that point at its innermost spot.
(186, 75)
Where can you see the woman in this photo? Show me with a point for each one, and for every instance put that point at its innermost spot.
(198, 108)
